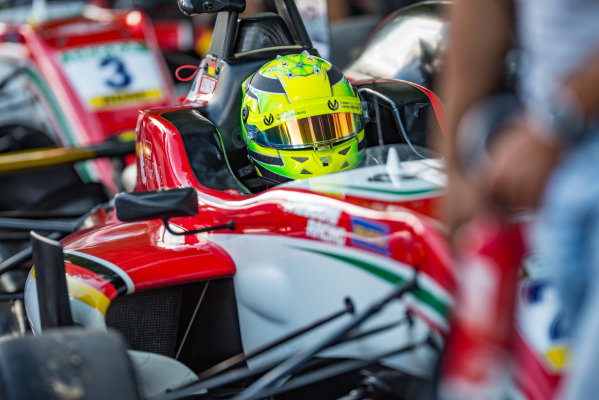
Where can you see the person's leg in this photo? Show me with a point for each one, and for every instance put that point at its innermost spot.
(582, 381)
(558, 239)
(568, 238)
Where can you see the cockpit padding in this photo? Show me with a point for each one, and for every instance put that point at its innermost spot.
(204, 149)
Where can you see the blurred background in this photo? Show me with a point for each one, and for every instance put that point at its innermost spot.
(339, 28)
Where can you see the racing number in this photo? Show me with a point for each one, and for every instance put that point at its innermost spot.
(120, 76)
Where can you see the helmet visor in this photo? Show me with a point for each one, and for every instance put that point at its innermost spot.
(309, 131)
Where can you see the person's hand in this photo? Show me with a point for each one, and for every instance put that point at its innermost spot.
(520, 165)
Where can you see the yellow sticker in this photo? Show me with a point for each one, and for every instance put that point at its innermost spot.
(119, 98)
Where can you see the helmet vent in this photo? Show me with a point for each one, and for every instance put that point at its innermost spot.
(344, 151)
(245, 112)
(300, 160)
(345, 165)
(306, 172)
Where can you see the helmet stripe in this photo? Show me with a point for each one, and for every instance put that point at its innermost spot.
(335, 76)
(266, 173)
(266, 84)
(251, 94)
(362, 144)
(266, 159)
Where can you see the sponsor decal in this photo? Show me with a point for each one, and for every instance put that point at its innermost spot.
(322, 222)
(324, 214)
(289, 115)
(212, 67)
(207, 85)
(351, 106)
(334, 106)
(98, 52)
(269, 120)
(325, 232)
(370, 235)
(118, 98)
(80, 28)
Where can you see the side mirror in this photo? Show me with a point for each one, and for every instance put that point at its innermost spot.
(163, 204)
(191, 7)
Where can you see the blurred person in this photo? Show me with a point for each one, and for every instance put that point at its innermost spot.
(255, 6)
(386, 7)
(547, 157)
(338, 10)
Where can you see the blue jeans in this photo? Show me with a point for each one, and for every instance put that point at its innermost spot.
(567, 237)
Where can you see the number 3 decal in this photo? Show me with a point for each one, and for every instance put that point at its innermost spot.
(120, 77)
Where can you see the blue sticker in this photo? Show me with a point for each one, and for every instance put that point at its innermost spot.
(370, 235)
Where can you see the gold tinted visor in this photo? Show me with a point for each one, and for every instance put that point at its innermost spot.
(306, 132)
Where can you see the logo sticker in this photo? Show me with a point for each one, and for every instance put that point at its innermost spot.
(269, 120)
(333, 105)
(207, 85)
(370, 235)
(325, 232)
(328, 215)
(212, 68)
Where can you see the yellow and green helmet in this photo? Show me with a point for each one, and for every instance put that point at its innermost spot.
(301, 118)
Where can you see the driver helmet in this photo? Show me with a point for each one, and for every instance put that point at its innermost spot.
(301, 118)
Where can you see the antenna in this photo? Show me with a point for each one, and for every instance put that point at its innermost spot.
(394, 167)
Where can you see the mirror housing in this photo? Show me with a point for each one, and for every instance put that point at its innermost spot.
(163, 204)
(191, 7)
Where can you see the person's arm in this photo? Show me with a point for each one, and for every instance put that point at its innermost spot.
(584, 84)
(480, 35)
(524, 156)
